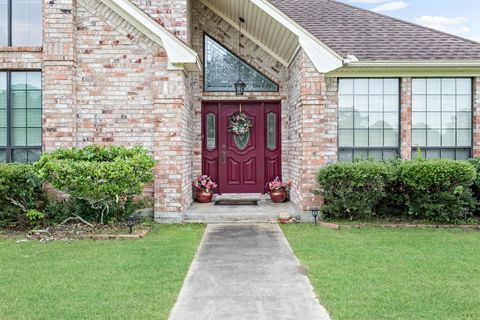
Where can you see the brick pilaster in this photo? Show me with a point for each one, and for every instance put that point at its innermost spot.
(476, 117)
(59, 55)
(406, 118)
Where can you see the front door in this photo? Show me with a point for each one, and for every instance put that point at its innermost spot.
(241, 163)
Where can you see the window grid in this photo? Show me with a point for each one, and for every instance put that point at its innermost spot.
(369, 94)
(29, 148)
(441, 148)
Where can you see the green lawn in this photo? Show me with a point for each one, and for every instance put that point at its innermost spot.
(117, 279)
(375, 273)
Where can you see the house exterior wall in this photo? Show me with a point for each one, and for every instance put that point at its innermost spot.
(476, 117)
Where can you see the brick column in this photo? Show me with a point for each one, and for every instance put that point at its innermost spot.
(59, 55)
(476, 117)
(406, 118)
(172, 142)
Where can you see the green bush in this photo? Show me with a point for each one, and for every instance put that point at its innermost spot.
(20, 192)
(104, 177)
(353, 190)
(438, 190)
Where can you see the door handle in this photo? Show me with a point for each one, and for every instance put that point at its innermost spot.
(223, 157)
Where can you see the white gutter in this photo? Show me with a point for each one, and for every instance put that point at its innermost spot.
(417, 64)
(179, 54)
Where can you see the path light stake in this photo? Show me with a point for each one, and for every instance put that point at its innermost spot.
(315, 214)
(130, 222)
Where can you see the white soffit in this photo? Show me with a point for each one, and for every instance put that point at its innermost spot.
(179, 54)
(324, 58)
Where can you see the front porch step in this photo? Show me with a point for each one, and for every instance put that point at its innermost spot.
(265, 211)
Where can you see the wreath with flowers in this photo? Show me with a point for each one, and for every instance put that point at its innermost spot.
(240, 124)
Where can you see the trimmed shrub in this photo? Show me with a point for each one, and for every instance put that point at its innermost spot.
(353, 190)
(438, 190)
(475, 162)
(20, 192)
(104, 177)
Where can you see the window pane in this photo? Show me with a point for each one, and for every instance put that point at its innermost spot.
(3, 156)
(272, 131)
(448, 103)
(376, 138)
(34, 80)
(463, 154)
(390, 154)
(391, 103)
(34, 118)
(19, 80)
(19, 137)
(419, 138)
(27, 23)
(19, 99)
(20, 155)
(221, 71)
(3, 137)
(464, 120)
(419, 120)
(376, 120)
(434, 120)
(345, 155)
(345, 103)
(19, 118)
(433, 154)
(419, 86)
(3, 23)
(361, 103)
(391, 120)
(375, 155)
(434, 138)
(448, 138)
(211, 131)
(33, 155)
(464, 103)
(433, 86)
(448, 120)
(361, 138)
(419, 103)
(464, 86)
(361, 86)
(345, 120)
(448, 86)
(391, 138)
(434, 103)
(390, 86)
(376, 103)
(448, 154)
(34, 137)
(345, 138)
(361, 120)
(464, 138)
(361, 154)
(3, 118)
(376, 86)
(345, 86)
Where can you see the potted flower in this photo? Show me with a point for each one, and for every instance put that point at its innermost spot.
(204, 187)
(278, 190)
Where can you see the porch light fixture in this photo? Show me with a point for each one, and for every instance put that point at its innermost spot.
(240, 84)
(315, 212)
(130, 223)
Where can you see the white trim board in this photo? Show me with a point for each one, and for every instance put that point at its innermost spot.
(179, 54)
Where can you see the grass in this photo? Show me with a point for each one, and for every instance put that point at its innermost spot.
(118, 279)
(375, 273)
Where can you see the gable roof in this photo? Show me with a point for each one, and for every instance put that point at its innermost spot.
(374, 37)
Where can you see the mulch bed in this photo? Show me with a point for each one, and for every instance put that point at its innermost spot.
(78, 231)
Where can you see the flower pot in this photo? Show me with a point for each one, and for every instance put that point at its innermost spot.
(203, 196)
(278, 196)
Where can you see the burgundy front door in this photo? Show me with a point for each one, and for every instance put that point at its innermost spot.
(241, 164)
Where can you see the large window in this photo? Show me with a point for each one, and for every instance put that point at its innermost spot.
(20, 116)
(20, 23)
(368, 119)
(221, 71)
(442, 117)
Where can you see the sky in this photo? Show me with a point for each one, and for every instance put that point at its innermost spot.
(460, 17)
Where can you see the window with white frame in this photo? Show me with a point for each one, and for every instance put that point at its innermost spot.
(442, 117)
(368, 118)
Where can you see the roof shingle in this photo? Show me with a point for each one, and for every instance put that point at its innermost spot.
(374, 37)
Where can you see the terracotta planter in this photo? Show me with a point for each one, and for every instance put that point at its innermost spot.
(203, 196)
(278, 196)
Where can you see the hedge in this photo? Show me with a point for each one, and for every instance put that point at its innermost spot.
(434, 190)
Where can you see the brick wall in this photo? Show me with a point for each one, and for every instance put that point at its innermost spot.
(476, 117)
(406, 118)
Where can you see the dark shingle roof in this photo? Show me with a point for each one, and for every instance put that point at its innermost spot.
(371, 36)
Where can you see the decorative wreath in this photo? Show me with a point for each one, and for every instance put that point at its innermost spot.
(240, 124)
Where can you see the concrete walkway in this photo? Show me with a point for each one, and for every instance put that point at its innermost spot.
(246, 271)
